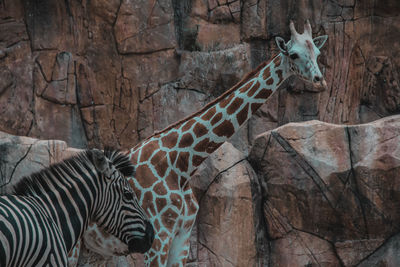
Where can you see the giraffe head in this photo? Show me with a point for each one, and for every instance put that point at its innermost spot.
(302, 52)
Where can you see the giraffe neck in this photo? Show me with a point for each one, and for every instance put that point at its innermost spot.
(186, 144)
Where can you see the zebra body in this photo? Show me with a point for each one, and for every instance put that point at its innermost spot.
(49, 211)
(28, 230)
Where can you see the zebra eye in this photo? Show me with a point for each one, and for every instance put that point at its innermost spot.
(294, 56)
(128, 195)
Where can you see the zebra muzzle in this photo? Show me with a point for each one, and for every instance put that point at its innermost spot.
(142, 245)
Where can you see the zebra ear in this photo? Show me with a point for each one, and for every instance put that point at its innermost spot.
(99, 160)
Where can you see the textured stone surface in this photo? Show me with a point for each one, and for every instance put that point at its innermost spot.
(330, 191)
(223, 186)
(21, 156)
(107, 60)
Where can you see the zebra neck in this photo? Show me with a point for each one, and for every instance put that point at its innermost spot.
(69, 202)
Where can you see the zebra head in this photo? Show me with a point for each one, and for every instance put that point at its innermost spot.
(119, 212)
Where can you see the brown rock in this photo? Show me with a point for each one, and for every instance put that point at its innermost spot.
(159, 67)
(212, 4)
(254, 22)
(223, 188)
(145, 27)
(6, 79)
(60, 70)
(65, 123)
(302, 249)
(221, 14)
(336, 183)
(211, 37)
(386, 255)
(21, 156)
(352, 252)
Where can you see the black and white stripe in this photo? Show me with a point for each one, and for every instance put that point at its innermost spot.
(48, 212)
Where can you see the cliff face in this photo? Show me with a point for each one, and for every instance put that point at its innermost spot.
(110, 72)
(100, 72)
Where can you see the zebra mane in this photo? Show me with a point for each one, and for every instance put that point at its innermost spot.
(121, 161)
(35, 182)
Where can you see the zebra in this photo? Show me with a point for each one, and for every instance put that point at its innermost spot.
(46, 213)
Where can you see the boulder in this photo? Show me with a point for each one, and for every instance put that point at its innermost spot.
(329, 184)
(226, 225)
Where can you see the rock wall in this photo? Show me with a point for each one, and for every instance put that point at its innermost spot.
(95, 73)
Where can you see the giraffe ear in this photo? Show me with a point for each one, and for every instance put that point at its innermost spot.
(320, 41)
(280, 42)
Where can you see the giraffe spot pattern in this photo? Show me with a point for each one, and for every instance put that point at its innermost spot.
(210, 113)
(148, 201)
(234, 105)
(266, 73)
(226, 101)
(156, 225)
(160, 163)
(242, 115)
(279, 72)
(164, 256)
(187, 125)
(160, 189)
(161, 167)
(212, 146)
(253, 89)
(148, 150)
(245, 88)
(138, 192)
(183, 182)
(135, 155)
(172, 156)
(216, 118)
(169, 217)
(172, 180)
(156, 244)
(263, 94)
(255, 106)
(199, 130)
(183, 161)
(144, 171)
(177, 200)
(224, 129)
(160, 203)
(270, 81)
(277, 61)
(186, 140)
(169, 141)
(202, 145)
(197, 160)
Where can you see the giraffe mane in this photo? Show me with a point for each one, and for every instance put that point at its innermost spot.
(248, 76)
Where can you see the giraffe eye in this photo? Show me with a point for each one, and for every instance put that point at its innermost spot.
(294, 56)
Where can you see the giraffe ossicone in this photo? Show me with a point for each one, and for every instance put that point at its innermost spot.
(166, 160)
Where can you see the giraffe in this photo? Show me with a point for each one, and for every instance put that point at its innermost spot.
(166, 160)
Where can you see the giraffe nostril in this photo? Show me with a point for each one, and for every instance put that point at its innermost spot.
(317, 78)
